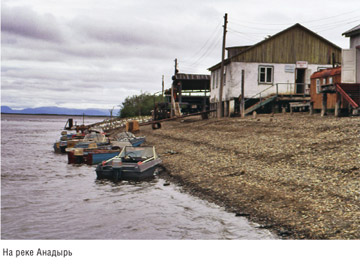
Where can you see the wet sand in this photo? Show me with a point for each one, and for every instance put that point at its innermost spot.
(298, 175)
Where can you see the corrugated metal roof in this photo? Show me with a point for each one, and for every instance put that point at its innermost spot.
(353, 31)
(327, 73)
(183, 76)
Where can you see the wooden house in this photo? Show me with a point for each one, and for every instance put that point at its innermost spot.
(280, 65)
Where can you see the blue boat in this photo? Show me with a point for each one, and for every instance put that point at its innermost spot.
(98, 156)
(133, 163)
(126, 139)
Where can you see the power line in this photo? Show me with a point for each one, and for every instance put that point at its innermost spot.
(337, 25)
(208, 50)
(305, 21)
(206, 42)
(243, 34)
(350, 20)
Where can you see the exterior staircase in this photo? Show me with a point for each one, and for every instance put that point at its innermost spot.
(350, 92)
(262, 102)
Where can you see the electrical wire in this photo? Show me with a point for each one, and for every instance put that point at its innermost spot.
(305, 21)
(216, 41)
(213, 34)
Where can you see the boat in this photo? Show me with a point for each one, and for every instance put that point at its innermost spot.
(126, 139)
(65, 140)
(96, 147)
(133, 164)
(98, 156)
(94, 136)
(92, 154)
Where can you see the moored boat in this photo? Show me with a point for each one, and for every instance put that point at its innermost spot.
(91, 155)
(98, 156)
(133, 163)
(127, 139)
(66, 141)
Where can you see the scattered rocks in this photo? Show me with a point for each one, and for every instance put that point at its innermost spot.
(300, 173)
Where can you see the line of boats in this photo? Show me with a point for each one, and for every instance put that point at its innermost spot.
(119, 157)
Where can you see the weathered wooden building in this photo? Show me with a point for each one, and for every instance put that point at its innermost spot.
(189, 93)
(321, 82)
(279, 65)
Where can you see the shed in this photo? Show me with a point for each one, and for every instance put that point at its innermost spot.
(191, 92)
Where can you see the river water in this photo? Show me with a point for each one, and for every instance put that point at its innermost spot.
(42, 197)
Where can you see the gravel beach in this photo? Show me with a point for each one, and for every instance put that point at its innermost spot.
(298, 175)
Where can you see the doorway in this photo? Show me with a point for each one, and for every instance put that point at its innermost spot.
(300, 80)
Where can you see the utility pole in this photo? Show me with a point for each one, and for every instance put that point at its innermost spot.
(162, 91)
(176, 67)
(220, 110)
(172, 92)
(242, 101)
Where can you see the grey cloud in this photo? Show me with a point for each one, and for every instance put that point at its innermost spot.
(25, 22)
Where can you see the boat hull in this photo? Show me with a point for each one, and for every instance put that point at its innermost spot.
(130, 172)
(96, 158)
(91, 157)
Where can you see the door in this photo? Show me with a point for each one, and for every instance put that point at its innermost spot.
(300, 80)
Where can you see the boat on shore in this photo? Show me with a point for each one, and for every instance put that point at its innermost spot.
(97, 147)
(133, 163)
(91, 155)
(127, 139)
(65, 140)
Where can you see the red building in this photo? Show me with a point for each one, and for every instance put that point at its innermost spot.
(327, 92)
(339, 88)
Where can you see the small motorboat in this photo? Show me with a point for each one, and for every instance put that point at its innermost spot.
(61, 145)
(126, 139)
(92, 154)
(133, 163)
(94, 136)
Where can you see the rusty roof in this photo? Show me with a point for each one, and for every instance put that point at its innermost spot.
(183, 76)
(327, 73)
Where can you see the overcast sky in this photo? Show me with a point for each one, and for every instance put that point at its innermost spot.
(93, 54)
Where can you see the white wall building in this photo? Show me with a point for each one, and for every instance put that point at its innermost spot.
(282, 64)
(350, 70)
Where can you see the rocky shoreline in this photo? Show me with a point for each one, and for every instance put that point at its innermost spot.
(297, 175)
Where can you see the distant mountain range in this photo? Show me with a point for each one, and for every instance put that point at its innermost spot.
(57, 111)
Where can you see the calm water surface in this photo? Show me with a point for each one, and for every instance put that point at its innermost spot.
(42, 197)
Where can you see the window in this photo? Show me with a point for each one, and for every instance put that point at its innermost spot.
(324, 81)
(330, 80)
(266, 74)
(317, 86)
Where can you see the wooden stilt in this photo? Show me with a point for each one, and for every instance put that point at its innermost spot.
(337, 104)
(324, 104)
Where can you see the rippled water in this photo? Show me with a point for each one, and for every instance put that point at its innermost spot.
(42, 197)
